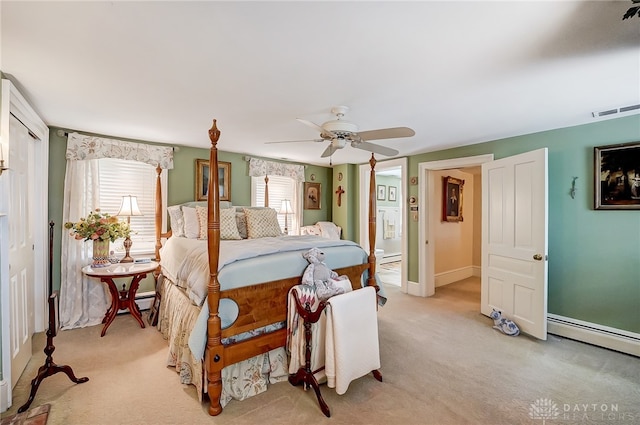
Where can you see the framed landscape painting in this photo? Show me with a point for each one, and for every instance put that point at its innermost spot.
(617, 177)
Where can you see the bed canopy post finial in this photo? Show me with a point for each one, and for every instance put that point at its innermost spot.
(214, 352)
(371, 281)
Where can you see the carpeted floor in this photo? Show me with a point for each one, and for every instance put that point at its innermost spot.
(34, 416)
(442, 363)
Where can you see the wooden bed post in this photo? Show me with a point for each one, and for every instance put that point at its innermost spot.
(266, 191)
(214, 354)
(371, 280)
(158, 219)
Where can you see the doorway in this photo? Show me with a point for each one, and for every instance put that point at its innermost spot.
(391, 229)
(430, 210)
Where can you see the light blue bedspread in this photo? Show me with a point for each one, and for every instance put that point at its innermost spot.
(287, 262)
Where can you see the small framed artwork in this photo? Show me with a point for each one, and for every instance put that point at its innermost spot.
(382, 193)
(452, 199)
(392, 193)
(617, 177)
(202, 180)
(312, 196)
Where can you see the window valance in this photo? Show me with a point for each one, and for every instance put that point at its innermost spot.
(83, 147)
(260, 167)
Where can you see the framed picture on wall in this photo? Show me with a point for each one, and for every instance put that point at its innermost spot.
(392, 193)
(382, 193)
(312, 196)
(202, 180)
(617, 177)
(452, 199)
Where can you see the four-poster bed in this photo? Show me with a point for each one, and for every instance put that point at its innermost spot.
(258, 303)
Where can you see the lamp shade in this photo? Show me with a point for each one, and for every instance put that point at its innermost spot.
(129, 207)
(285, 207)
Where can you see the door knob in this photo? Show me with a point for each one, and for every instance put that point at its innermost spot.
(537, 257)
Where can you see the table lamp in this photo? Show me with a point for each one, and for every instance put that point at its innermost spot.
(128, 208)
(285, 208)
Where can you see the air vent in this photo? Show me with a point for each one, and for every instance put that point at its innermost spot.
(616, 111)
(630, 108)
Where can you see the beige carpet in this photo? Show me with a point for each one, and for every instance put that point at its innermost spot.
(442, 363)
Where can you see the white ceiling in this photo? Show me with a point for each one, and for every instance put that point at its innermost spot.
(456, 72)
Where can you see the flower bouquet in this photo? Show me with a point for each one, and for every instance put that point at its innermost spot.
(101, 228)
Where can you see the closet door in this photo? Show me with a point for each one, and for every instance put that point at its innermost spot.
(21, 246)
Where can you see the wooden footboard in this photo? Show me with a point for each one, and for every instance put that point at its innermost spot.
(260, 305)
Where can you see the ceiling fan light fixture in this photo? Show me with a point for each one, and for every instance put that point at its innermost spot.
(338, 143)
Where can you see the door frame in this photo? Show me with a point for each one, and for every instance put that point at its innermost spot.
(430, 209)
(364, 172)
(13, 103)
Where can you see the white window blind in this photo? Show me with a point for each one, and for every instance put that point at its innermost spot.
(280, 188)
(120, 177)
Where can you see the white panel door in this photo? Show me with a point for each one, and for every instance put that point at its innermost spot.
(514, 240)
(21, 243)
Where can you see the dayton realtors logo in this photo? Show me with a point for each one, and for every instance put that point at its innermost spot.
(546, 409)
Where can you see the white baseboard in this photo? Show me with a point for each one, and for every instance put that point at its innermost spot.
(451, 276)
(5, 397)
(593, 333)
(390, 258)
(413, 288)
(476, 271)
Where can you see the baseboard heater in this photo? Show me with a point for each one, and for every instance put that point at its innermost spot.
(592, 333)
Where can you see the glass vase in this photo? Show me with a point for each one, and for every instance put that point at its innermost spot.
(100, 253)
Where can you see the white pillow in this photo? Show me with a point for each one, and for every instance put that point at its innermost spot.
(177, 221)
(262, 223)
(228, 226)
(191, 224)
(201, 212)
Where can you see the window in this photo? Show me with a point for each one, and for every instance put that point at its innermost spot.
(280, 188)
(120, 177)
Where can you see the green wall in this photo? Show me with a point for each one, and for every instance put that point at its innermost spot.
(594, 255)
(181, 187)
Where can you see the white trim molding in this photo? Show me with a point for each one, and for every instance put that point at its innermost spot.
(450, 276)
(593, 333)
(5, 397)
(429, 213)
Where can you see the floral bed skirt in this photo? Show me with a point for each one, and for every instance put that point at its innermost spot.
(177, 317)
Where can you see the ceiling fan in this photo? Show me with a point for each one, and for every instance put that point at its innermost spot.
(339, 132)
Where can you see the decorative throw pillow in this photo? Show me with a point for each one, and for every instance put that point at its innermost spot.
(177, 221)
(201, 212)
(262, 223)
(241, 223)
(191, 224)
(228, 226)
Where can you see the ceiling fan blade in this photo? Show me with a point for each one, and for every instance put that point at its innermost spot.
(329, 151)
(295, 141)
(382, 150)
(317, 127)
(386, 133)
